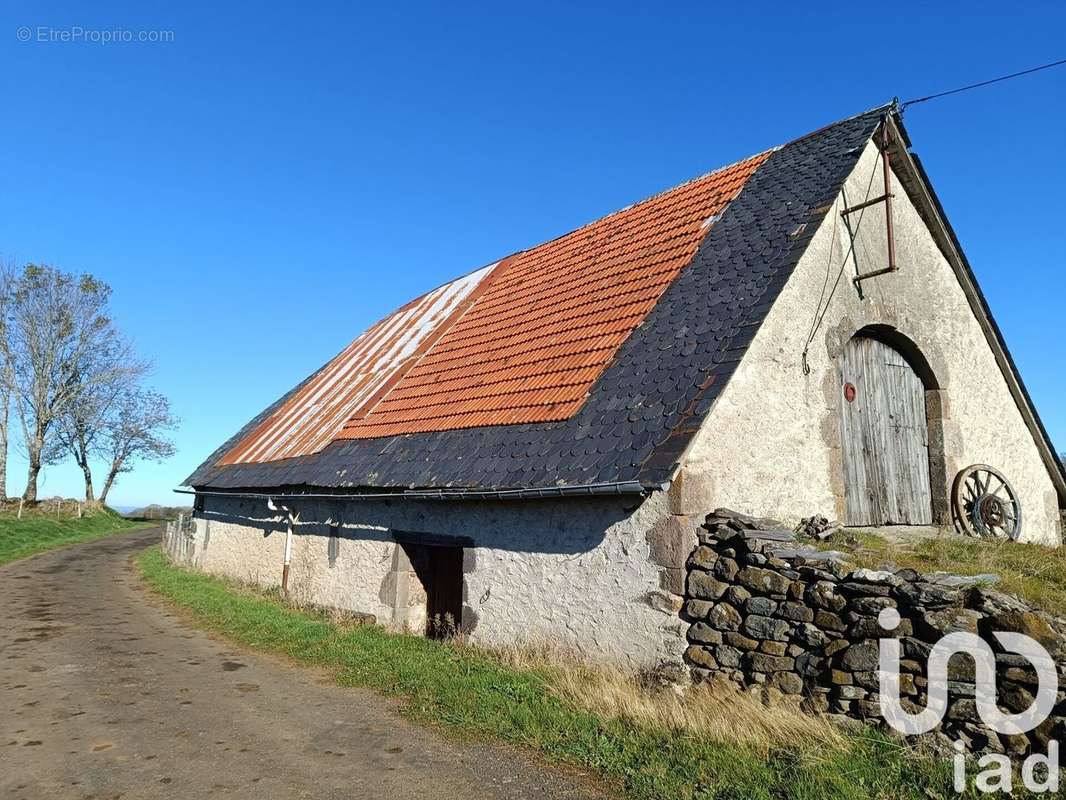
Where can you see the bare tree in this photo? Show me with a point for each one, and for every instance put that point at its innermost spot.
(111, 372)
(7, 280)
(79, 430)
(136, 430)
(56, 324)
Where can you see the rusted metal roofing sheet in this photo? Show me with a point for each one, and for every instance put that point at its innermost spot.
(349, 385)
(532, 346)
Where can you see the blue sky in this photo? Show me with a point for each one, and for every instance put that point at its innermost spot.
(275, 178)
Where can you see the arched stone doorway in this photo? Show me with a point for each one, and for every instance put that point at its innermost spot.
(885, 431)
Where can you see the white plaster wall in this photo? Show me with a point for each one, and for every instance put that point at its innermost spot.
(771, 444)
(574, 572)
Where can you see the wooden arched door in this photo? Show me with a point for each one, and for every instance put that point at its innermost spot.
(885, 437)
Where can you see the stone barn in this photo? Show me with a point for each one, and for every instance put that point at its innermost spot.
(526, 453)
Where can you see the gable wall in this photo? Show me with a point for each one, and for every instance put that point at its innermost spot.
(771, 444)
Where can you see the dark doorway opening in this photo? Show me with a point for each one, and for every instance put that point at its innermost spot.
(440, 571)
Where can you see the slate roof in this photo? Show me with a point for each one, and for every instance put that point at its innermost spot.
(645, 403)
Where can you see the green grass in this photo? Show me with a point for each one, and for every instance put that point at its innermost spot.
(1033, 572)
(471, 693)
(37, 531)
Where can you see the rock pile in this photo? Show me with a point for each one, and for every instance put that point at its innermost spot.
(765, 610)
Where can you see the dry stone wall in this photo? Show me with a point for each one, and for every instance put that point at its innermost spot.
(766, 610)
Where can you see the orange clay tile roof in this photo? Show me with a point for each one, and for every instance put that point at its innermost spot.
(521, 341)
(551, 319)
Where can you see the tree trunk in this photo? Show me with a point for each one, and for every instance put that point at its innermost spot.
(34, 447)
(111, 474)
(86, 470)
(3, 444)
(30, 495)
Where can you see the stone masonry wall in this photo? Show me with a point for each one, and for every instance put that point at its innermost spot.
(768, 611)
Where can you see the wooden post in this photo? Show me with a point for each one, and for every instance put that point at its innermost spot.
(21, 501)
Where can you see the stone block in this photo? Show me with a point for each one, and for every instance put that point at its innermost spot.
(840, 677)
(1031, 624)
(671, 540)
(701, 656)
(835, 647)
(809, 665)
(725, 569)
(823, 595)
(871, 606)
(763, 581)
(960, 667)
(704, 586)
(740, 641)
(697, 609)
(724, 617)
(1014, 697)
(737, 595)
(855, 589)
(851, 692)
(772, 648)
(703, 557)
(948, 620)
(863, 656)
(867, 679)
(876, 576)
(869, 628)
(1020, 675)
(761, 662)
(761, 627)
(869, 708)
(795, 611)
(666, 602)
(728, 657)
(964, 708)
(760, 605)
(829, 621)
(672, 580)
(811, 635)
(787, 682)
(702, 633)
(691, 492)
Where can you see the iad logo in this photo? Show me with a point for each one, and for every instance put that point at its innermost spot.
(997, 776)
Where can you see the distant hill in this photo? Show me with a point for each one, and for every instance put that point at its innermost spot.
(158, 512)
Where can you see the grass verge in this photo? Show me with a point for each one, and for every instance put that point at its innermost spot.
(1033, 572)
(36, 533)
(562, 715)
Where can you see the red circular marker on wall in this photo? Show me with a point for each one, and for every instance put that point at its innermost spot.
(849, 392)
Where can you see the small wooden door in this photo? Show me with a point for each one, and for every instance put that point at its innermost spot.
(885, 437)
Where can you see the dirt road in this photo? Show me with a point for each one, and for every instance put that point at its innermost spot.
(106, 694)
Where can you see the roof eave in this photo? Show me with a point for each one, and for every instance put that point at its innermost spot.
(531, 493)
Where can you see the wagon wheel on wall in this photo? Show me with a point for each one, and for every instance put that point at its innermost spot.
(984, 505)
